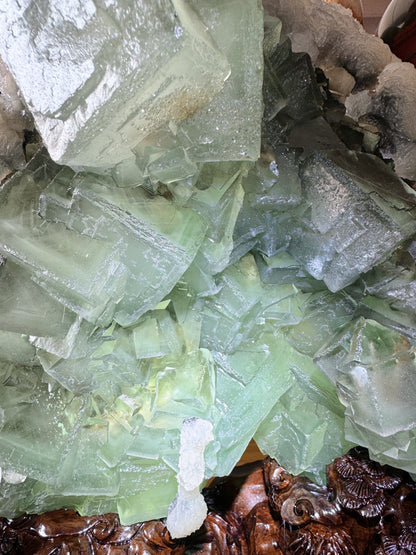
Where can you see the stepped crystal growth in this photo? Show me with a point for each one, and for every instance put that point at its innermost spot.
(171, 272)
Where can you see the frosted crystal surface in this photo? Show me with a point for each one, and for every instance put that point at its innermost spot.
(373, 369)
(81, 272)
(237, 109)
(350, 226)
(192, 282)
(392, 105)
(227, 128)
(395, 281)
(304, 429)
(125, 68)
(188, 511)
(272, 186)
(156, 240)
(328, 33)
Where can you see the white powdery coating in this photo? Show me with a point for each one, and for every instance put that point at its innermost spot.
(334, 39)
(188, 511)
(393, 101)
(358, 104)
(329, 34)
(395, 95)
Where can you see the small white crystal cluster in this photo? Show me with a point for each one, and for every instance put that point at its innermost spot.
(188, 511)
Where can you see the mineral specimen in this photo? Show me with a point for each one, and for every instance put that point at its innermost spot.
(100, 77)
(188, 511)
(181, 275)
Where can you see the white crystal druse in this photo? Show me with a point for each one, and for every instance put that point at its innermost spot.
(188, 511)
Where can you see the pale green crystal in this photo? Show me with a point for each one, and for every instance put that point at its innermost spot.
(248, 383)
(191, 280)
(304, 429)
(324, 314)
(227, 128)
(101, 76)
(271, 187)
(38, 424)
(219, 201)
(230, 316)
(156, 240)
(395, 281)
(347, 225)
(373, 368)
(83, 273)
(154, 484)
(15, 348)
(26, 308)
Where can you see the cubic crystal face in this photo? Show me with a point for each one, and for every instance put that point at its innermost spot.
(347, 225)
(98, 76)
(179, 279)
(373, 368)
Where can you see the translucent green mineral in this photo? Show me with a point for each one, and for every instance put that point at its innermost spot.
(99, 77)
(373, 368)
(178, 271)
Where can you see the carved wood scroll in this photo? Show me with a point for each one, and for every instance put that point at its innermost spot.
(259, 509)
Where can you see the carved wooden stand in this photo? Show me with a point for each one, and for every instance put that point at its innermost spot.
(260, 509)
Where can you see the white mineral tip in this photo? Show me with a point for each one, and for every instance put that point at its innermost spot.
(12, 477)
(188, 511)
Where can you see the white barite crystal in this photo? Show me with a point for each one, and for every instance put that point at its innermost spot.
(188, 511)
(393, 102)
(332, 38)
(98, 76)
(349, 56)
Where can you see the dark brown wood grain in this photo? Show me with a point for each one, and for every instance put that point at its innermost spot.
(259, 509)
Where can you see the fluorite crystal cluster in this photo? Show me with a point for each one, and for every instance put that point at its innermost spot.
(173, 271)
